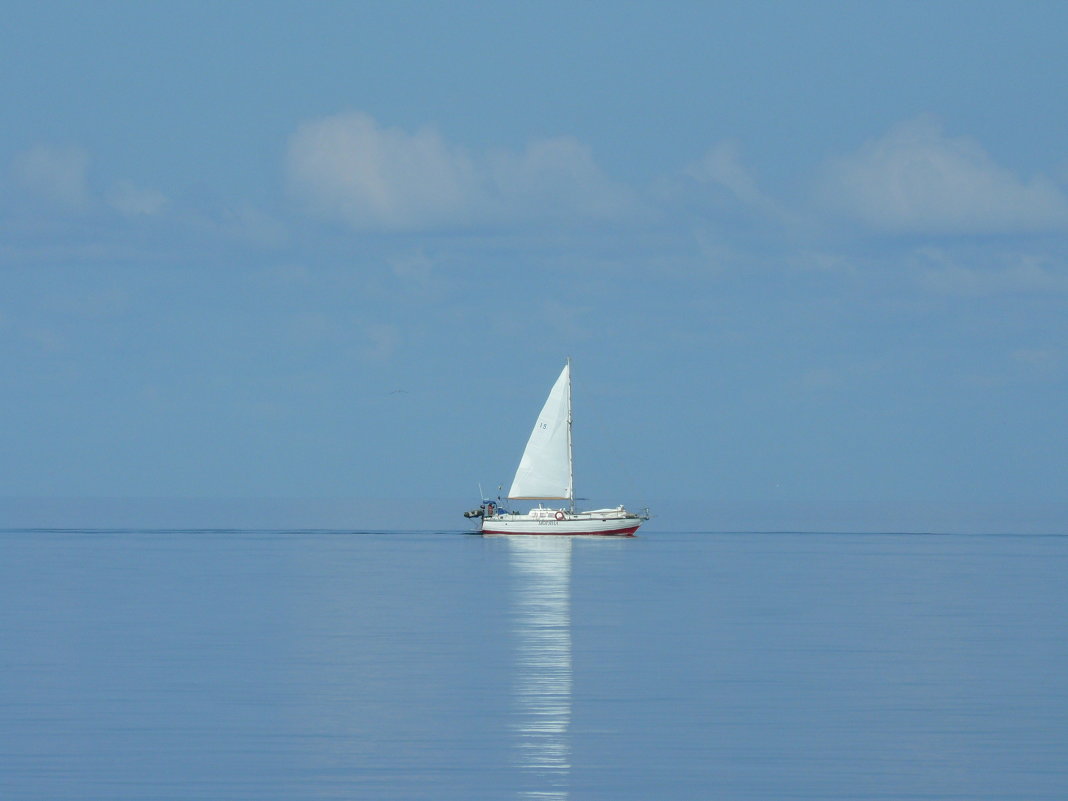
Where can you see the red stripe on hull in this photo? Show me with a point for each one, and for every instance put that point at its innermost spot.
(619, 532)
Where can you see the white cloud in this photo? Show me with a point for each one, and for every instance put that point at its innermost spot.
(348, 167)
(917, 180)
(57, 175)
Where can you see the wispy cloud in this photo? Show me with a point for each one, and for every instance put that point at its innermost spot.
(722, 165)
(252, 226)
(946, 272)
(555, 178)
(350, 168)
(415, 267)
(915, 179)
(415, 274)
(1044, 361)
(134, 201)
(381, 342)
(56, 175)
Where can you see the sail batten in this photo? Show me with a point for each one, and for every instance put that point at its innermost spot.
(545, 470)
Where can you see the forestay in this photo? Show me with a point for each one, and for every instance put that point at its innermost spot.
(545, 469)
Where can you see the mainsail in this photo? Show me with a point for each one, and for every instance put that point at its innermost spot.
(545, 469)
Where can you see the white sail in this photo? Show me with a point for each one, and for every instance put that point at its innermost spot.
(545, 469)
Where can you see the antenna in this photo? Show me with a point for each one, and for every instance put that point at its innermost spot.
(570, 458)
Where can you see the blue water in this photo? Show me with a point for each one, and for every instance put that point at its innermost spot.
(329, 665)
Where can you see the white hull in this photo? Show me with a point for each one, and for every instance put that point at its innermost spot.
(603, 522)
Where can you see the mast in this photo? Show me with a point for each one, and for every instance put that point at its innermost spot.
(570, 462)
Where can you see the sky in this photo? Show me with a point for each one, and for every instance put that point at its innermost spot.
(319, 264)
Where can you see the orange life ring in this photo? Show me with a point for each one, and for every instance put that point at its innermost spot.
(559, 515)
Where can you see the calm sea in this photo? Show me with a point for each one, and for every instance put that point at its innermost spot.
(333, 665)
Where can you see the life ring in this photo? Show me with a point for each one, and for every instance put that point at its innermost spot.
(559, 515)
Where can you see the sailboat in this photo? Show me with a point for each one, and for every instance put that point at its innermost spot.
(546, 473)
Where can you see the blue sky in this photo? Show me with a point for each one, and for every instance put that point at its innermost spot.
(810, 260)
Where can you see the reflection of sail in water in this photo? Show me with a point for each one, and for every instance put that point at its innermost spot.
(542, 676)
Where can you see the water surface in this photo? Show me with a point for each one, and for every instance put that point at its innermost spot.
(322, 664)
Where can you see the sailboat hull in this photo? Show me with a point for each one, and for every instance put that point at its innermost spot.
(580, 524)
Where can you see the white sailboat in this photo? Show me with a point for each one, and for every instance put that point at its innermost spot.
(546, 474)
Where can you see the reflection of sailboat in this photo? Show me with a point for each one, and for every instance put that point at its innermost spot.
(545, 473)
(542, 684)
